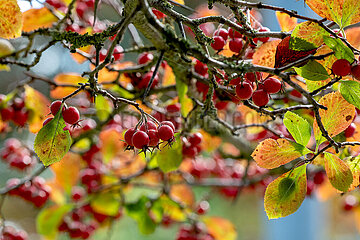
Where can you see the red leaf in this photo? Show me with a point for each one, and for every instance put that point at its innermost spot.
(284, 55)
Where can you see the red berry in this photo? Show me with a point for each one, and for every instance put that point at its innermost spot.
(263, 39)
(71, 115)
(341, 67)
(310, 186)
(21, 117)
(7, 114)
(165, 132)
(355, 71)
(145, 58)
(89, 3)
(319, 178)
(146, 80)
(350, 131)
(117, 53)
(154, 138)
(169, 124)
(158, 14)
(244, 90)
(173, 108)
(203, 207)
(55, 107)
(350, 202)
(222, 32)
(218, 43)
(272, 85)
(150, 125)
(128, 136)
(77, 193)
(18, 103)
(81, 8)
(102, 55)
(260, 98)
(234, 34)
(236, 45)
(200, 68)
(140, 139)
(195, 139)
(296, 93)
(189, 151)
(253, 77)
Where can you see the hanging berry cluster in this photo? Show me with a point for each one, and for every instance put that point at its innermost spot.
(34, 191)
(71, 115)
(343, 67)
(14, 110)
(191, 145)
(149, 135)
(16, 155)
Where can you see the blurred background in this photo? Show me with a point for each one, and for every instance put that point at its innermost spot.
(314, 220)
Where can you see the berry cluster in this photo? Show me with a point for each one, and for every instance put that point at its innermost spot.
(149, 135)
(191, 145)
(84, 8)
(57, 4)
(172, 114)
(71, 115)
(34, 191)
(14, 110)
(91, 178)
(10, 233)
(314, 179)
(193, 232)
(343, 67)
(16, 155)
(117, 54)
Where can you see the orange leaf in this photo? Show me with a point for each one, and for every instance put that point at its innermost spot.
(220, 228)
(183, 194)
(37, 18)
(10, 19)
(38, 106)
(272, 153)
(111, 144)
(168, 76)
(66, 78)
(310, 32)
(78, 57)
(67, 171)
(286, 22)
(338, 116)
(354, 164)
(343, 12)
(353, 36)
(251, 116)
(338, 172)
(265, 54)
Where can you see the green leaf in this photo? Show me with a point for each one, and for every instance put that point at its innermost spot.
(52, 142)
(285, 194)
(298, 127)
(340, 49)
(354, 164)
(170, 158)
(49, 219)
(350, 90)
(140, 213)
(299, 44)
(307, 36)
(103, 108)
(314, 85)
(185, 101)
(106, 203)
(313, 71)
(338, 172)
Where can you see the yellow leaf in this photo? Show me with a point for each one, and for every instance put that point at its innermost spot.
(5, 48)
(343, 12)
(220, 228)
(38, 106)
(354, 164)
(338, 116)
(286, 22)
(272, 153)
(285, 194)
(4, 67)
(338, 172)
(111, 144)
(66, 78)
(67, 171)
(168, 76)
(37, 18)
(251, 116)
(10, 19)
(265, 55)
(182, 193)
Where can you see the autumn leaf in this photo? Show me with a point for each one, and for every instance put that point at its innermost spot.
(66, 79)
(10, 19)
(182, 193)
(220, 228)
(354, 165)
(111, 143)
(343, 12)
(265, 54)
(37, 18)
(338, 172)
(307, 36)
(286, 22)
(272, 153)
(107, 203)
(353, 36)
(285, 194)
(284, 55)
(338, 116)
(298, 127)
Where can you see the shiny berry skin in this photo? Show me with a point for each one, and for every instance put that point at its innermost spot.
(222, 32)
(236, 45)
(341, 67)
(20, 117)
(47, 120)
(146, 80)
(158, 14)
(203, 207)
(71, 115)
(145, 58)
(140, 139)
(263, 39)
(350, 131)
(244, 91)
(87, 175)
(189, 151)
(165, 132)
(218, 43)
(173, 108)
(272, 85)
(355, 71)
(154, 138)
(18, 104)
(253, 77)
(150, 125)
(296, 93)
(200, 68)
(234, 34)
(260, 98)
(102, 55)
(350, 202)
(195, 139)
(117, 53)
(7, 113)
(128, 136)
(169, 124)
(81, 8)
(55, 107)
